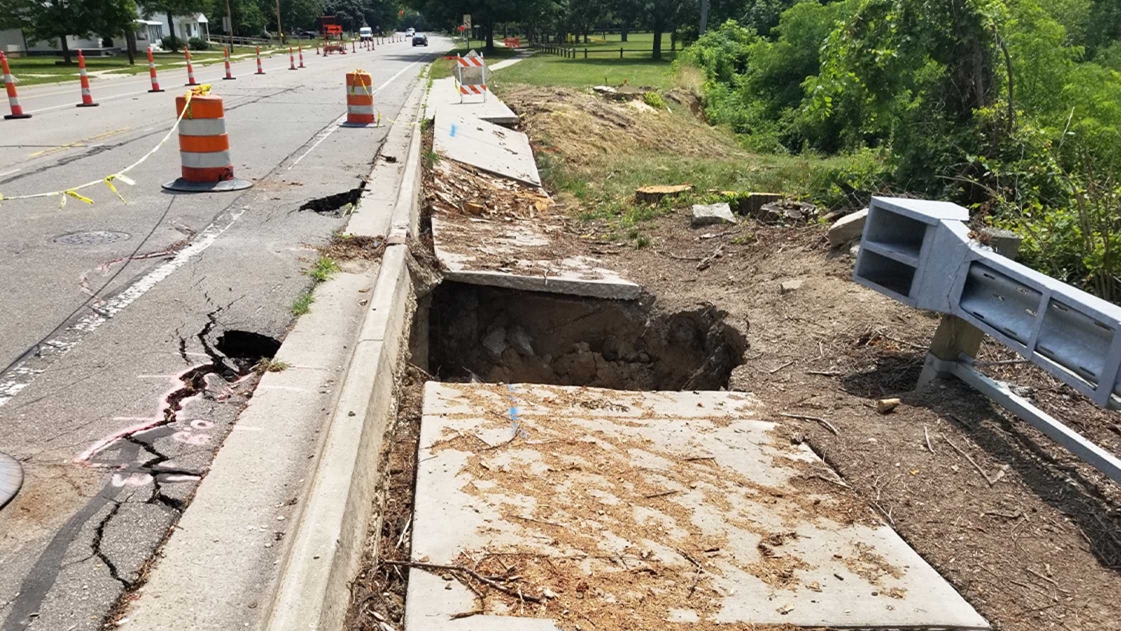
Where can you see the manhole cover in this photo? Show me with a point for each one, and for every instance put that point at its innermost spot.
(91, 237)
(11, 478)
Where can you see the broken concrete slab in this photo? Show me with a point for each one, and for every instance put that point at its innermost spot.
(530, 254)
(444, 98)
(711, 214)
(847, 228)
(486, 146)
(651, 507)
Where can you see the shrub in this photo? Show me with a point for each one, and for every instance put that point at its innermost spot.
(197, 43)
(655, 100)
(170, 43)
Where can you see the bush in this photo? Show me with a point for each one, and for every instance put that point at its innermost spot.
(655, 100)
(170, 43)
(197, 43)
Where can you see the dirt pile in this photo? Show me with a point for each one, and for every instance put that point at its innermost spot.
(584, 128)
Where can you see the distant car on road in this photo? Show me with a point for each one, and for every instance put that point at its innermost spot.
(420, 39)
(304, 35)
(410, 32)
(365, 33)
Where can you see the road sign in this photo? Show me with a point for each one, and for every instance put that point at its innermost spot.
(467, 20)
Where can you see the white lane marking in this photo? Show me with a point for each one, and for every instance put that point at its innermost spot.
(10, 172)
(335, 124)
(71, 105)
(22, 374)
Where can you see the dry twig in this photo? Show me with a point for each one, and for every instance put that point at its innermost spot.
(824, 423)
(486, 580)
(991, 480)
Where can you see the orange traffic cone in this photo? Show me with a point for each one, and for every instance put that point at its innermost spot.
(87, 98)
(229, 76)
(152, 72)
(260, 70)
(301, 51)
(13, 98)
(291, 59)
(190, 68)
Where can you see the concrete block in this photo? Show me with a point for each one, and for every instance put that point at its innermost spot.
(600, 484)
(486, 146)
(847, 228)
(710, 214)
(444, 98)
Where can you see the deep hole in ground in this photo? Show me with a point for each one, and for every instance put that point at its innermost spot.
(507, 336)
(332, 204)
(246, 348)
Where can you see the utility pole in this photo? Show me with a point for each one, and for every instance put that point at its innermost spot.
(704, 17)
(279, 29)
(230, 20)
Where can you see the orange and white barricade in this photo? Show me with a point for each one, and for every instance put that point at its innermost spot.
(204, 147)
(471, 75)
(359, 100)
(260, 70)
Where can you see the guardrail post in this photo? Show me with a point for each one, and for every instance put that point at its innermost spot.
(585, 52)
(620, 52)
(956, 337)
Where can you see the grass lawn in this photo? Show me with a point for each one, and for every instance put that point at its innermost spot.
(542, 69)
(37, 70)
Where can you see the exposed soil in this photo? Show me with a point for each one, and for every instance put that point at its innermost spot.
(378, 592)
(349, 247)
(503, 336)
(1040, 548)
(582, 128)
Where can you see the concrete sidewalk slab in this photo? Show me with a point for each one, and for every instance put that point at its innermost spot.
(466, 139)
(648, 508)
(444, 97)
(522, 254)
(219, 566)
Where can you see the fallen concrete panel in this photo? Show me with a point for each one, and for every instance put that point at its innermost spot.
(642, 508)
(486, 146)
(443, 97)
(521, 254)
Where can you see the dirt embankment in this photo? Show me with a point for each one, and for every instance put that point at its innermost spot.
(1040, 548)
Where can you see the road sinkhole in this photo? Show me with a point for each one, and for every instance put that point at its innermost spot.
(500, 335)
(246, 348)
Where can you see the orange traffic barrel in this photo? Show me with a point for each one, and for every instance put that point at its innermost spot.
(204, 148)
(359, 99)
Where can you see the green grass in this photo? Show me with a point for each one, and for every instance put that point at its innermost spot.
(323, 269)
(39, 70)
(302, 305)
(271, 365)
(542, 69)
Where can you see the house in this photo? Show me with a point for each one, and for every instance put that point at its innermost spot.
(150, 31)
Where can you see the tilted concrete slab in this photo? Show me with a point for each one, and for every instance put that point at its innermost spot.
(444, 97)
(466, 139)
(642, 508)
(522, 254)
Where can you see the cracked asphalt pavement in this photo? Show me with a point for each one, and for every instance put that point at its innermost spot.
(117, 379)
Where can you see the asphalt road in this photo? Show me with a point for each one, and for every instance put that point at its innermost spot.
(117, 320)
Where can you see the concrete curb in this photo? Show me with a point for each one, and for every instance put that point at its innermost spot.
(326, 551)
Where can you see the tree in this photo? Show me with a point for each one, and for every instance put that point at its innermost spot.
(48, 20)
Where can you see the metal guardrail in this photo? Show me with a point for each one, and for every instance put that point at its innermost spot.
(921, 253)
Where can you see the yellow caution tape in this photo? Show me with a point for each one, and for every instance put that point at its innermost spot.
(62, 194)
(109, 183)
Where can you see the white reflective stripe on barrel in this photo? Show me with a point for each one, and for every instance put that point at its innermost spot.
(85, 92)
(211, 160)
(202, 127)
(360, 109)
(359, 90)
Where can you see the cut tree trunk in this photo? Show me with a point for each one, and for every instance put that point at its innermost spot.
(654, 194)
